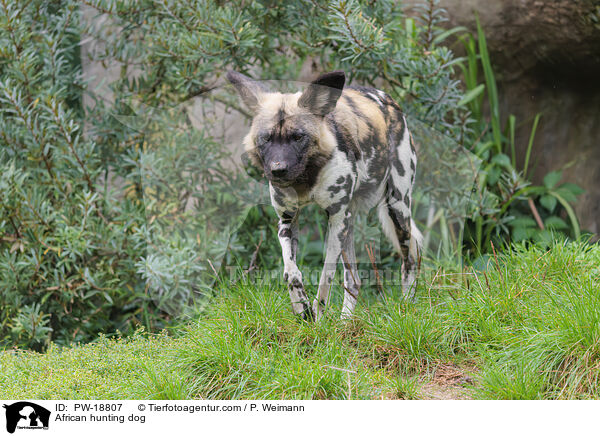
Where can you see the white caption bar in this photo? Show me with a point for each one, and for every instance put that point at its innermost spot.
(113, 418)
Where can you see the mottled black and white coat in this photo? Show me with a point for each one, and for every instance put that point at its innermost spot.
(344, 149)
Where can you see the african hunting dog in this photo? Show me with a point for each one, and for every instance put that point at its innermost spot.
(344, 149)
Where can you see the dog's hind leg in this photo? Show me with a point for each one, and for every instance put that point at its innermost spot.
(395, 212)
(338, 235)
(406, 239)
(351, 276)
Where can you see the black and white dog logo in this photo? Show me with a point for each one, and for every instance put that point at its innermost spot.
(26, 415)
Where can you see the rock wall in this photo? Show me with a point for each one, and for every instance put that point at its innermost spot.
(546, 54)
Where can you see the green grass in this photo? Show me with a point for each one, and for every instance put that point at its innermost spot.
(525, 326)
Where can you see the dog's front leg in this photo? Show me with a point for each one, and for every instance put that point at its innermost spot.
(288, 238)
(337, 235)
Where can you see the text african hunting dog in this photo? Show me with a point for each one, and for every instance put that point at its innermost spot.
(344, 149)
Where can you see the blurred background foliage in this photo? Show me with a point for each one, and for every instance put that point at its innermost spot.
(80, 249)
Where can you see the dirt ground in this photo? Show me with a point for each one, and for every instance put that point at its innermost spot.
(449, 382)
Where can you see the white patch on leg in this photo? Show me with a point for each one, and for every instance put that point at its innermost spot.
(416, 241)
(291, 272)
(351, 290)
(409, 283)
(328, 273)
(402, 183)
(403, 150)
(387, 225)
(348, 305)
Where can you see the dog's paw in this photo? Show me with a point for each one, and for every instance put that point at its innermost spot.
(307, 314)
(300, 303)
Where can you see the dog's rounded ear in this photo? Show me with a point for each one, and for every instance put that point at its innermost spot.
(250, 91)
(322, 94)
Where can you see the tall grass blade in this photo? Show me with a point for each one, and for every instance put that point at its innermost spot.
(471, 95)
(530, 144)
(570, 212)
(491, 86)
(442, 36)
(511, 136)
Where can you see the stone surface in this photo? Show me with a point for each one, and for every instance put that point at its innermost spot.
(546, 54)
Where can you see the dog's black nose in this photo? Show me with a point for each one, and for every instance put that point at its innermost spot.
(279, 169)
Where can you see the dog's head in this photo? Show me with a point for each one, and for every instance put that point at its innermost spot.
(287, 129)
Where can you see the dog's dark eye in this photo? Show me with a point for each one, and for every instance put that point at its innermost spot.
(297, 136)
(263, 138)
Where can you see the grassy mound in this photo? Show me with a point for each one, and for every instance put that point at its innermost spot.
(527, 326)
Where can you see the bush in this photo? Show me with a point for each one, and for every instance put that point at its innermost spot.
(68, 244)
(105, 220)
(79, 248)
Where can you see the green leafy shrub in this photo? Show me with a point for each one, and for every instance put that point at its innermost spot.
(104, 219)
(79, 246)
(194, 43)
